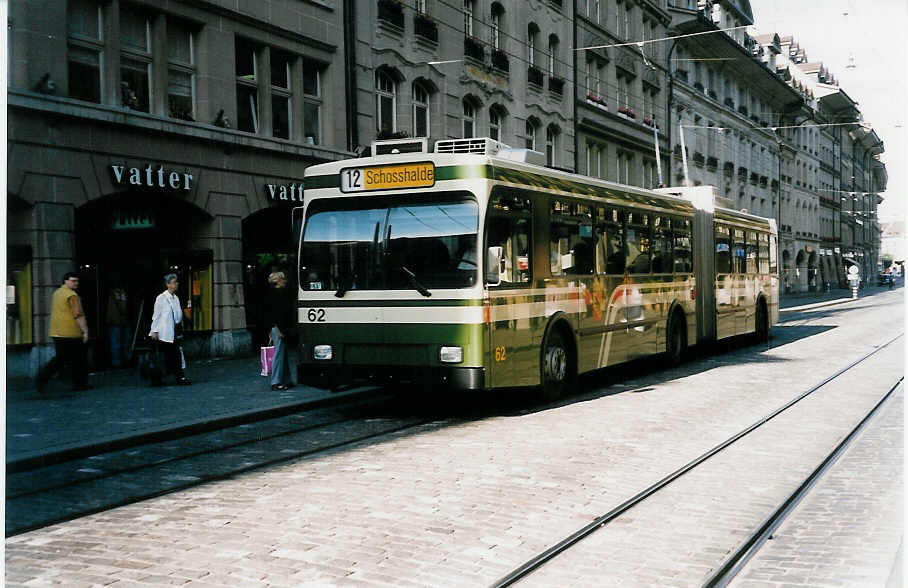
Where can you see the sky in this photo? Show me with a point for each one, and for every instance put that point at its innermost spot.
(874, 33)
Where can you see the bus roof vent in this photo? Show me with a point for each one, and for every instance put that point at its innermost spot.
(395, 146)
(523, 155)
(479, 146)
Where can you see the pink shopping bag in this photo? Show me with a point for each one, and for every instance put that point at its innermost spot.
(267, 360)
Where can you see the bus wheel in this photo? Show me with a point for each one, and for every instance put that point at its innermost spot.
(556, 367)
(675, 340)
(761, 326)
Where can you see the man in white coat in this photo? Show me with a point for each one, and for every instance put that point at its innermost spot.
(167, 315)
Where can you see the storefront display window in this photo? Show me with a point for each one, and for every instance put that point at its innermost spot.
(19, 297)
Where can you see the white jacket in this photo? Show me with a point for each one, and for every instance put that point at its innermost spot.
(167, 314)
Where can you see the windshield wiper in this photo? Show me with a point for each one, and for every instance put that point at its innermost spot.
(414, 283)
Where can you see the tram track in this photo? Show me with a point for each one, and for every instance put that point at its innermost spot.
(534, 563)
(65, 491)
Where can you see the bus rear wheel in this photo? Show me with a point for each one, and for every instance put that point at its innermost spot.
(556, 369)
(761, 326)
(675, 340)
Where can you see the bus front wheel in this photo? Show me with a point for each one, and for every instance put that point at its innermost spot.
(557, 371)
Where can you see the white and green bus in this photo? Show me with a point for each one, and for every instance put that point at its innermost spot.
(471, 267)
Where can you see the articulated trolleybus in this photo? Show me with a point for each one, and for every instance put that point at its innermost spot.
(473, 268)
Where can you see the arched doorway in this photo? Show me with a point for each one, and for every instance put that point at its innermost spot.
(800, 271)
(786, 272)
(812, 271)
(125, 244)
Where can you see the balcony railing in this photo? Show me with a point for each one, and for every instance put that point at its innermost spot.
(391, 11)
(473, 49)
(535, 76)
(425, 27)
(500, 60)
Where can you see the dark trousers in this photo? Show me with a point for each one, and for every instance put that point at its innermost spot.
(73, 353)
(172, 358)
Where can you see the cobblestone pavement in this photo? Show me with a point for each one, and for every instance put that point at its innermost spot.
(848, 530)
(465, 503)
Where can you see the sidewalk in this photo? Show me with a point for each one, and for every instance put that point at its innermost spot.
(122, 410)
(835, 296)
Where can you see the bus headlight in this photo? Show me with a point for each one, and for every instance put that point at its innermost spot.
(450, 354)
(322, 352)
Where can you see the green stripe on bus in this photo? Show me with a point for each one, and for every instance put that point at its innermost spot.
(385, 303)
(314, 182)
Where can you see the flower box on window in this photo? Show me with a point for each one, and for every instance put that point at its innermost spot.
(627, 112)
(473, 49)
(500, 60)
(648, 121)
(391, 11)
(535, 76)
(425, 27)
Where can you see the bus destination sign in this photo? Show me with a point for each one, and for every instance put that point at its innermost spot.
(388, 177)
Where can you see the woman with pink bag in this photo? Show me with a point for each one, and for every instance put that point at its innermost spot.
(279, 315)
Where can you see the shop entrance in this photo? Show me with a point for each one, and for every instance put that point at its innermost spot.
(270, 242)
(124, 251)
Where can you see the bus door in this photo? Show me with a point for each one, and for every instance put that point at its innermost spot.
(740, 293)
(640, 309)
(608, 293)
(513, 356)
(725, 307)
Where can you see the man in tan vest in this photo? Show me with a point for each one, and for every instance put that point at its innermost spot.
(69, 331)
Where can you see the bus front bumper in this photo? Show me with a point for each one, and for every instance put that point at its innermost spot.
(429, 378)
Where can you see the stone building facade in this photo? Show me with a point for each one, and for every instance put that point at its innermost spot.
(471, 68)
(148, 137)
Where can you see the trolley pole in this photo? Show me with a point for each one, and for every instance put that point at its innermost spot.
(658, 157)
(684, 156)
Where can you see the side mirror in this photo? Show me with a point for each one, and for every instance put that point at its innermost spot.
(494, 266)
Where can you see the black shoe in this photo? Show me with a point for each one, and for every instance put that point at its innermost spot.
(184, 381)
(278, 387)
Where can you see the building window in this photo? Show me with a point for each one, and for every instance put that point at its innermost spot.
(180, 71)
(469, 122)
(85, 45)
(531, 135)
(551, 146)
(421, 6)
(553, 54)
(495, 124)
(420, 111)
(281, 104)
(312, 101)
(386, 102)
(135, 59)
(469, 8)
(497, 11)
(532, 33)
(247, 97)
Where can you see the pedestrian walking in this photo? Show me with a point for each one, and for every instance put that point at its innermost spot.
(118, 329)
(69, 332)
(166, 323)
(279, 314)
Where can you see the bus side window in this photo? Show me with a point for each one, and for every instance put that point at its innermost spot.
(662, 245)
(610, 242)
(763, 253)
(638, 243)
(682, 247)
(723, 250)
(751, 249)
(509, 228)
(571, 248)
(738, 252)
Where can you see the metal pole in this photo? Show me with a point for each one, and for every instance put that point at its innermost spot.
(658, 157)
(684, 156)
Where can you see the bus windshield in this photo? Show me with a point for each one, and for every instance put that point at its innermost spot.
(390, 243)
